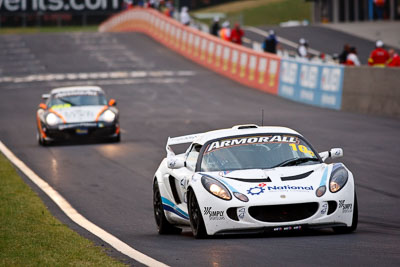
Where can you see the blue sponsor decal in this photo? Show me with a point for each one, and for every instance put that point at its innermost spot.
(311, 83)
(169, 206)
(255, 190)
(324, 177)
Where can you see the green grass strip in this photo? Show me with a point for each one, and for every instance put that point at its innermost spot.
(31, 236)
(48, 29)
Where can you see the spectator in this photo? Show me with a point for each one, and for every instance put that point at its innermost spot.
(185, 17)
(237, 34)
(343, 55)
(394, 60)
(214, 30)
(225, 32)
(379, 8)
(379, 56)
(169, 9)
(270, 43)
(302, 49)
(352, 58)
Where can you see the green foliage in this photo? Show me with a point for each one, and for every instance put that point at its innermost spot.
(277, 12)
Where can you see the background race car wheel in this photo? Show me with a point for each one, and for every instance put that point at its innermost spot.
(353, 227)
(196, 219)
(163, 226)
(115, 139)
(41, 140)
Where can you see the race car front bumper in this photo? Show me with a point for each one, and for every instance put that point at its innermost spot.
(86, 130)
(234, 216)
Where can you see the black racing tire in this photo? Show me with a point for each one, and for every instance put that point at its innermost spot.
(41, 140)
(115, 139)
(353, 227)
(163, 226)
(196, 218)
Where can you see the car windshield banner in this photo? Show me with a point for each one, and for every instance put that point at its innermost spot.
(48, 6)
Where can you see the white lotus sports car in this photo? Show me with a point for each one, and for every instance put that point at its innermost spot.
(252, 179)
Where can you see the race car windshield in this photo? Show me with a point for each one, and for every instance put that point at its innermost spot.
(60, 101)
(257, 152)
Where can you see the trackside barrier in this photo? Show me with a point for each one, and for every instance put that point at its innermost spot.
(251, 68)
(311, 83)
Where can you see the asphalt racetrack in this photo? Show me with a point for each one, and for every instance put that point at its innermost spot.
(161, 94)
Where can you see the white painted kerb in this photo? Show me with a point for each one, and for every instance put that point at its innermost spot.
(75, 216)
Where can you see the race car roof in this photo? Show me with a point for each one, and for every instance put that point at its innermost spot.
(249, 129)
(75, 88)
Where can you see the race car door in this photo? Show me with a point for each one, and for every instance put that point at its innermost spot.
(179, 178)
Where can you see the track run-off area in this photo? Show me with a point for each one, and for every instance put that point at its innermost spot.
(160, 94)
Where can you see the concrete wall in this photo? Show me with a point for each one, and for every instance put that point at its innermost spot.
(372, 91)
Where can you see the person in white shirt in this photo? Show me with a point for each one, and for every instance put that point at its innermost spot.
(185, 17)
(302, 49)
(352, 58)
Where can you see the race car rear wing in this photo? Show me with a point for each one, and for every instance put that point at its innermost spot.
(179, 140)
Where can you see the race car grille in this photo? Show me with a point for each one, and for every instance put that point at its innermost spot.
(283, 213)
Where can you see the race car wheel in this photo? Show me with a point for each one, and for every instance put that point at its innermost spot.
(115, 139)
(353, 227)
(40, 139)
(196, 219)
(163, 226)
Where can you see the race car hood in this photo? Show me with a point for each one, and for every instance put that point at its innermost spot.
(80, 114)
(278, 185)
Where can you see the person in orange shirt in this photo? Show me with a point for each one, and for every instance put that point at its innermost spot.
(394, 60)
(225, 32)
(379, 56)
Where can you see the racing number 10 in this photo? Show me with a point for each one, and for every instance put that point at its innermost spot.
(302, 149)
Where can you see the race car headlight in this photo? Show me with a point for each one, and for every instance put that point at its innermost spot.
(52, 119)
(338, 179)
(108, 116)
(216, 188)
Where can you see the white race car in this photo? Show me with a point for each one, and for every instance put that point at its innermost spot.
(252, 179)
(75, 113)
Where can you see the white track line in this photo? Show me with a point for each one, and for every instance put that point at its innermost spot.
(280, 39)
(75, 216)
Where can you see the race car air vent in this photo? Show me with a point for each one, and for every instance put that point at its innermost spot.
(296, 177)
(245, 126)
(173, 189)
(283, 213)
(332, 205)
(261, 180)
(232, 213)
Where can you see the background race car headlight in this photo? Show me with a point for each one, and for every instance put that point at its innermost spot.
(338, 179)
(216, 188)
(108, 116)
(52, 119)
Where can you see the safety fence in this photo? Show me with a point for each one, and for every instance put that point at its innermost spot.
(305, 82)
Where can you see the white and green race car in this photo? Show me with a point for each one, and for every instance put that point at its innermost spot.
(251, 179)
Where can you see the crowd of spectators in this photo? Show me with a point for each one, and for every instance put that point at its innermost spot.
(379, 57)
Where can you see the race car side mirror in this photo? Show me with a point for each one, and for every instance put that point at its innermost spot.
(45, 96)
(175, 162)
(43, 106)
(112, 102)
(333, 153)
